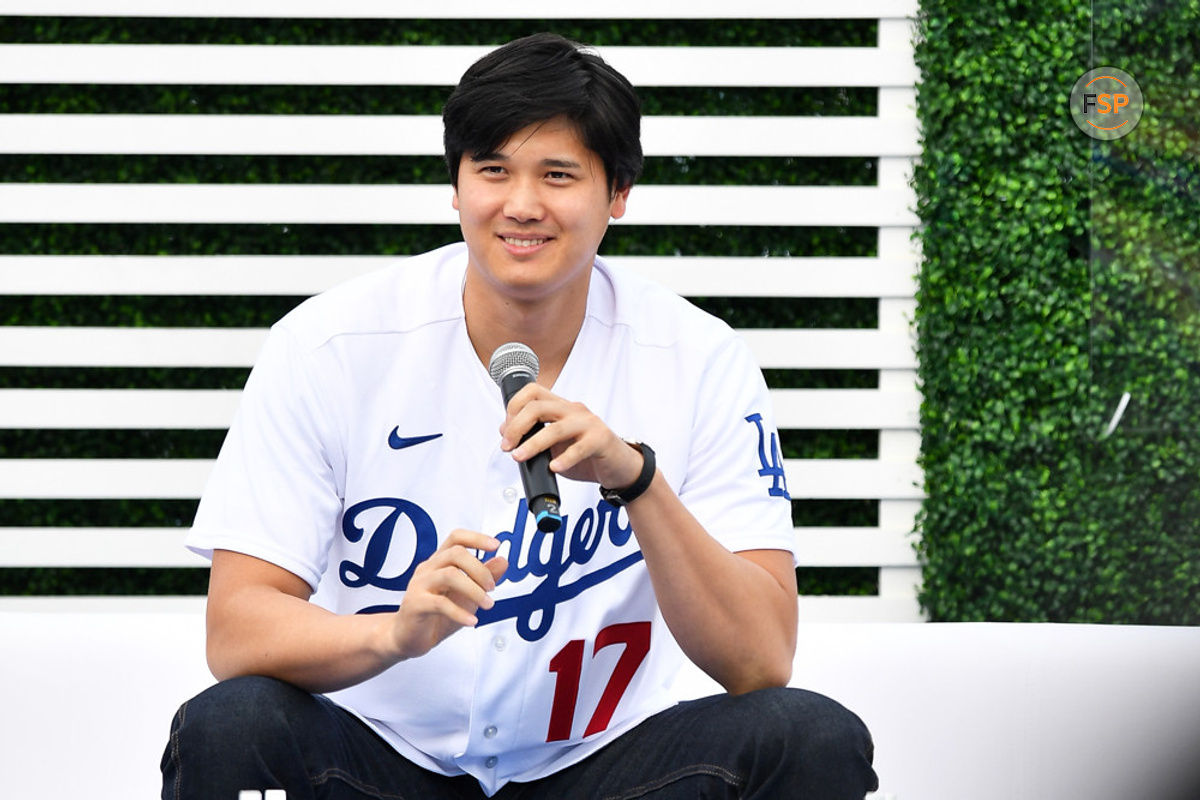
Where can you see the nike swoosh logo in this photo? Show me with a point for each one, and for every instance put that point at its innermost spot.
(398, 442)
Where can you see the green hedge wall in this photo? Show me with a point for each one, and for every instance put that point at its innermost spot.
(386, 239)
(1060, 272)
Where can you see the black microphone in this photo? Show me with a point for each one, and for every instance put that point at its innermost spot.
(512, 366)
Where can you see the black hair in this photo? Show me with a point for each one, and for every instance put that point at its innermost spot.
(537, 78)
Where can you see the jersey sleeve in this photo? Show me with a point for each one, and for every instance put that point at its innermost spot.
(274, 492)
(735, 483)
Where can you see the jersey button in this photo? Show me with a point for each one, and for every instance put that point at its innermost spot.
(500, 644)
(491, 762)
(510, 495)
(490, 732)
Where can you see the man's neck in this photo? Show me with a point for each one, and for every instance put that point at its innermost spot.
(549, 328)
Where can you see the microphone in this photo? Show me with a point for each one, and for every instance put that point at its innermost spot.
(512, 366)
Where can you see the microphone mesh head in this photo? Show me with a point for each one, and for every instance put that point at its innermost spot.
(512, 357)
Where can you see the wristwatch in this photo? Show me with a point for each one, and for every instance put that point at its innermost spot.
(621, 497)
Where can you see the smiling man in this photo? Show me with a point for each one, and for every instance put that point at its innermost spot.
(383, 617)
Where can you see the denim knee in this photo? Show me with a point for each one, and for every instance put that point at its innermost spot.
(811, 736)
(240, 714)
(827, 723)
(235, 731)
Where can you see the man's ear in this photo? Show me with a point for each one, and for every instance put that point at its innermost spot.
(619, 201)
(454, 197)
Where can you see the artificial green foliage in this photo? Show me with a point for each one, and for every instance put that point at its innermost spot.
(389, 240)
(256, 99)
(425, 32)
(386, 240)
(1059, 273)
(429, 170)
(102, 513)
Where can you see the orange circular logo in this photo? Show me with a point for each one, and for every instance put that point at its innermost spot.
(1106, 103)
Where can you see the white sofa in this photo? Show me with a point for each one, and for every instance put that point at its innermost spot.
(958, 711)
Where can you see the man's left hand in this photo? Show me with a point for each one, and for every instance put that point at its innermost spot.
(582, 446)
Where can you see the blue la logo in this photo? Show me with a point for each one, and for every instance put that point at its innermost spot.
(772, 463)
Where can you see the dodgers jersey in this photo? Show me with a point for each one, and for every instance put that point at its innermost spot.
(368, 431)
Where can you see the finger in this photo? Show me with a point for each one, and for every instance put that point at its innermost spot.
(478, 544)
(529, 406)
(445, 607)
(471, 540)
(449, 581)
(497, 566)
(570, 457)
(529, 393)
(477, 571)
(578, 438)
(564, 425)
(551, 435)
(454, 559)
(423, 617)
(464, 590)
(522, 420)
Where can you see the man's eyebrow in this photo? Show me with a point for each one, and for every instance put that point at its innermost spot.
(560, 163)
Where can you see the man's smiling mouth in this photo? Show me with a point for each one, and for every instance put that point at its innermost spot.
(515, 242)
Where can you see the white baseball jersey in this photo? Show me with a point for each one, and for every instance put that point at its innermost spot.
(368, 431)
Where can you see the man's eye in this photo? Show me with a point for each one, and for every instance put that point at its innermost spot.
(558, 176)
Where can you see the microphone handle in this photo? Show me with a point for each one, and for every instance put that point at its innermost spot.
(541, 485)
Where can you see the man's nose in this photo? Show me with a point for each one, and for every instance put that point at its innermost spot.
(524, 202)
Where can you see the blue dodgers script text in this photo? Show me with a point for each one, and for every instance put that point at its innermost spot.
(542, 559)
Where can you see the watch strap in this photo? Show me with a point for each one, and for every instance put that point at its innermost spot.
(621, 497)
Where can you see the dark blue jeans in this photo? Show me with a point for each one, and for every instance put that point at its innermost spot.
(259, 733)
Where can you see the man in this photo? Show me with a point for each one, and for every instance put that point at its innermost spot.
(384, 618)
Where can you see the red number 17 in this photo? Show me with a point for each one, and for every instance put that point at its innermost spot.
(568, 666)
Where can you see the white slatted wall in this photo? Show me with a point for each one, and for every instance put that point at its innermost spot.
(893, 479)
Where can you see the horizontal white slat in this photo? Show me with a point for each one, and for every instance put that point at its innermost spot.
(96, 547)
(384, 204)
(853, 479)
(693, 276)
(100, 604)
(830, 349)
(842, 408)
(182, 275)
(185, 478)
(439, 65)
(103, 478)
(217, 134)
(465, 9)
(237, 347)
(784, 276)
(854, 547)
(163, 547)
(138, 409)
(129, 347)
(76, 409)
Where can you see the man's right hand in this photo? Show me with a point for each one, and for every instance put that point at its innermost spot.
(261, 623)
(445, 592)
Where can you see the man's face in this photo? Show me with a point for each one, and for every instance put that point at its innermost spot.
(533, 214)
